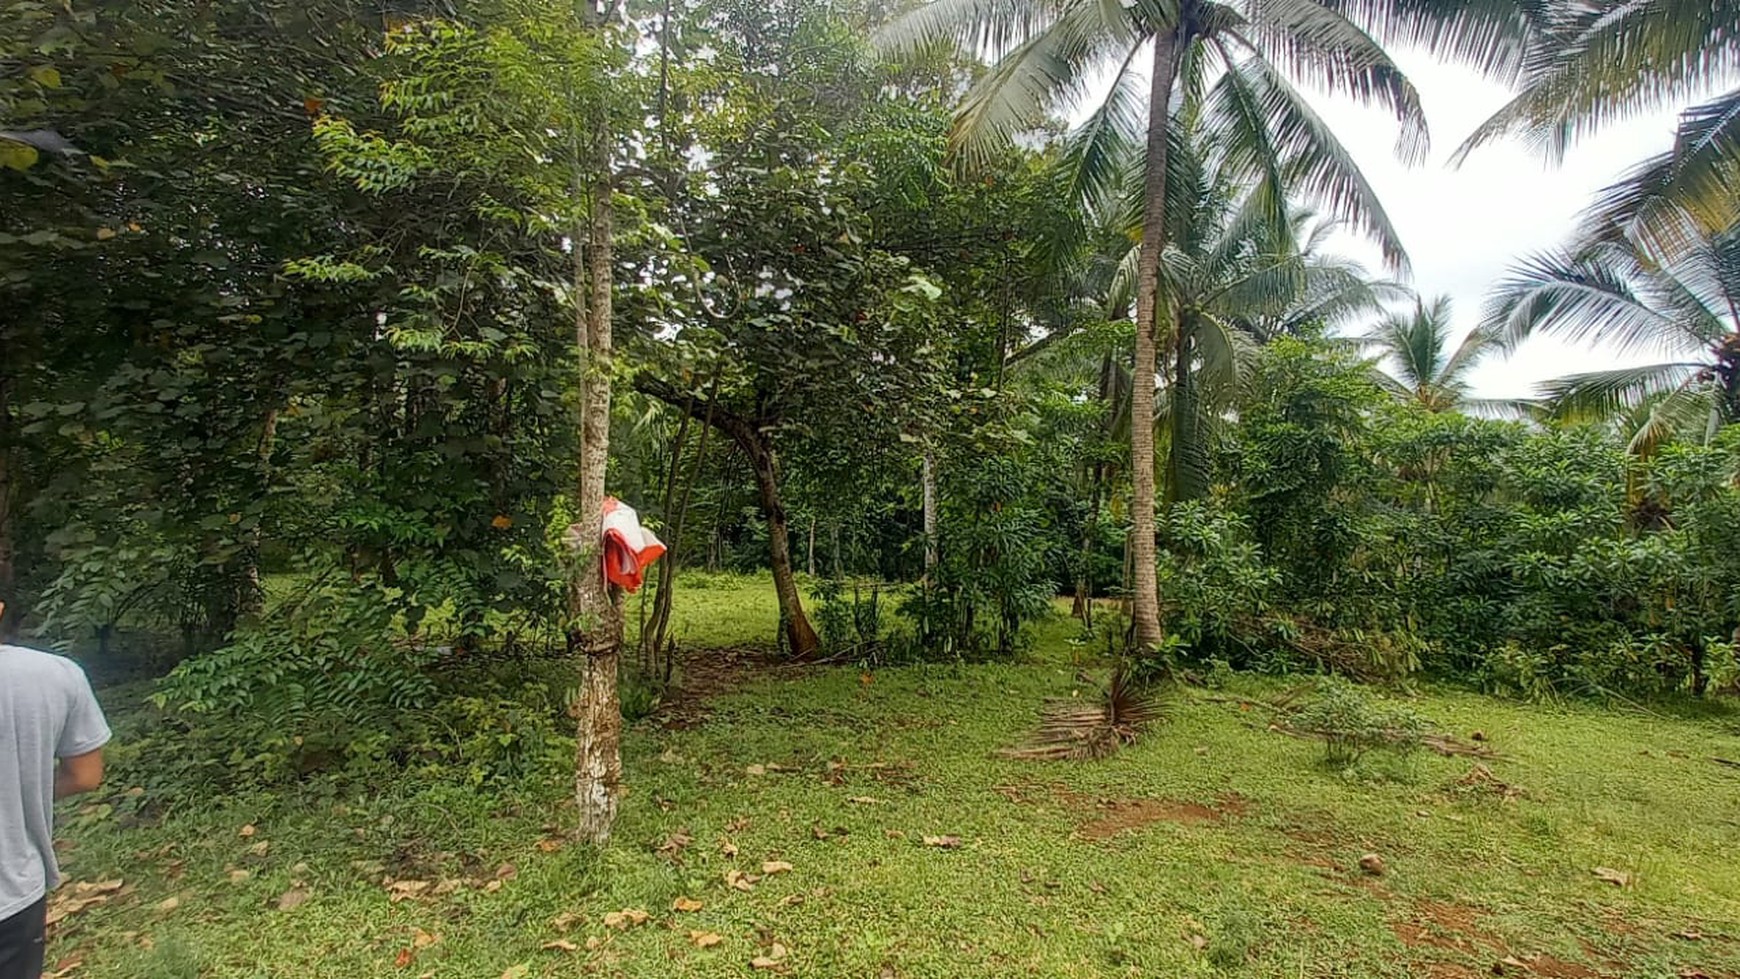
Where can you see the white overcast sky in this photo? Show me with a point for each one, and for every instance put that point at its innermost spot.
(1463, 227)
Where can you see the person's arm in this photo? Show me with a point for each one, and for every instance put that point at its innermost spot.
(78, 774)
(80, 749)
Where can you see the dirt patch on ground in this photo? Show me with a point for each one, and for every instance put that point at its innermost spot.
(1128, 814)
(1446, 927)
(1551, 968)
(705, 674)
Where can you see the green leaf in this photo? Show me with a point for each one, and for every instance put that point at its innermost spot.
(45, 75)
(17, 156)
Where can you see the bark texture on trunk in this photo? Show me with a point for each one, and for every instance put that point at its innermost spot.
(931, 552)
(799, 635)
(595, 632)
(1145, 587)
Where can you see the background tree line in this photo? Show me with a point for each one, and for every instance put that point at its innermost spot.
(324, 323)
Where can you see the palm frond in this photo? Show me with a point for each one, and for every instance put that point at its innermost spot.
(1682, 413)
(1494, 37)
(1269, 133)
(1674, 200)
(1317, 44)
(1595, 64)
(1603, 394)
(1077, 730)
(1052, 69)
(1581, 298)
(977, 26)
(1100, 153)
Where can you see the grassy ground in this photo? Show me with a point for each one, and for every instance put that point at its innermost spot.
(1212, 847)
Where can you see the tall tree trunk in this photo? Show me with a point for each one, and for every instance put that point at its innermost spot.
(595, 619)
(799, 635)
(1145, 597)
(812, 552)
(931, 551)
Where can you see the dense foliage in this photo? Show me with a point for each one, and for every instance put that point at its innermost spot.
(297, 378)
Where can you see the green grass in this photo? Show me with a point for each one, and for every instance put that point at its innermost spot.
(1239, 856)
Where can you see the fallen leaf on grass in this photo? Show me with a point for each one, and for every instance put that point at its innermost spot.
(65, 967)
(517, 972)
(260, 849)
(772, 960)
(1198, 942)
(728, 848)
(625, 919)
(739, 880)
(685, 904)
(239, 876)
(943, 842)
(403, 959)
(1618, 878)
(506, 871)
(423, 939)
(292, 899)
(247, 831)
(559, 945)
(566, 920)
(771, 867)
(705, 939)
(676, 844)
(737, 825)
(755, 770)
(1690, 935)
(80, 895)
(594, 943)
(405, 890)
(864, 800)
(168, 904)
(550, 845)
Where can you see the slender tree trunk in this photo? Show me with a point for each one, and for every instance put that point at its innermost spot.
(674, 547)
(811, 562)
(1084, 581)
(799, 635)
(595, 629)
(931, 550)
(1145, 590)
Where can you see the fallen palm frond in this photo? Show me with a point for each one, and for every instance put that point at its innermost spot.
(1078, 730)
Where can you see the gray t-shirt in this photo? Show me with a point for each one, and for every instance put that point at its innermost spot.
(47, 711)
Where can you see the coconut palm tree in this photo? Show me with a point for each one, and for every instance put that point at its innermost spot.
(1614, 291)
(1425, 368)
(1234, 58)
(1232, 277)
(1595, 62)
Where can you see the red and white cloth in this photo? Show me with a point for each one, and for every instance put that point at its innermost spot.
(629, 548)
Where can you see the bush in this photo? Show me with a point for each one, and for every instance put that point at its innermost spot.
(1349, 723)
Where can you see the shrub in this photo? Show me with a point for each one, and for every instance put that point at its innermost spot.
(1350, 723)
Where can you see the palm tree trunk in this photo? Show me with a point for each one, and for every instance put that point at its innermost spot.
(1145, 587)
(595, 634)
